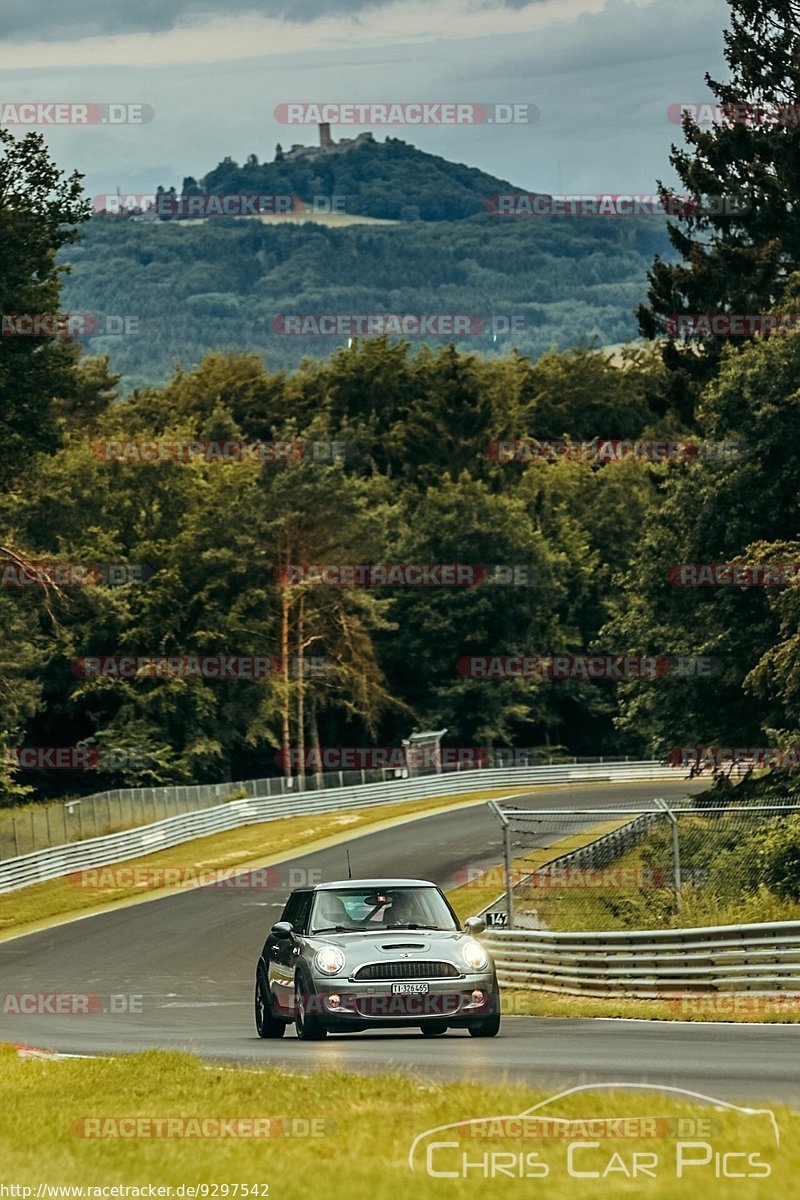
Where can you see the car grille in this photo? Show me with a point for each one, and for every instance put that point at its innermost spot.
(408, 969)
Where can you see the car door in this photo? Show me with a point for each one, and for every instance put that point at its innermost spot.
(285, 952)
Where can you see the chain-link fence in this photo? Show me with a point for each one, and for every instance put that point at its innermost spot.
(698, 862)
(37, 827)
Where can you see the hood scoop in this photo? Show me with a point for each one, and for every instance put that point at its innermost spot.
(392, 946)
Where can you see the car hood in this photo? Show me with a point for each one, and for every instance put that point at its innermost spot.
(359, 946)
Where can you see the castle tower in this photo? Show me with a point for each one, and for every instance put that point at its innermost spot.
(325, 139)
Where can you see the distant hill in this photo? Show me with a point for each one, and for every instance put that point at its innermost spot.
(230, 283)
(391, 179)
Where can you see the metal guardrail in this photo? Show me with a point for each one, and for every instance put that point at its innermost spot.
(650, 963)
(26, 829)
(57, 861)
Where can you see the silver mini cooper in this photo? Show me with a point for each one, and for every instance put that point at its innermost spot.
(374, 953)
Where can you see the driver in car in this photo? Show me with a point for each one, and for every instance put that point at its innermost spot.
(403, 910)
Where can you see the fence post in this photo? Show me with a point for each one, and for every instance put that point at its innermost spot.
(676, 853)
(498, 812)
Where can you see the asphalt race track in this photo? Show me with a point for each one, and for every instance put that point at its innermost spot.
(186, 963)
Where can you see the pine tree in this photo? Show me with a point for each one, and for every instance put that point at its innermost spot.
(734, 261)
(40, 209)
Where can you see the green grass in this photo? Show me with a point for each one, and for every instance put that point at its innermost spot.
(575, 908)
(249, 846)
(366, 1155)
(737, 1007)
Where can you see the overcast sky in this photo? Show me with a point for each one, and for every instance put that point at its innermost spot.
(602, 73)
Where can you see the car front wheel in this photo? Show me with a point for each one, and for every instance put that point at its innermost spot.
(488, 1027)
(307, 1023)
(267, 1025)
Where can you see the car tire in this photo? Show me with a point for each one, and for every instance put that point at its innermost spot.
(434, 1029)
(307, 1025)
(488, 1027)
(267, 1025)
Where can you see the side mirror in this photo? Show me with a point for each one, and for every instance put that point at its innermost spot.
(474, 925)
(283, 930)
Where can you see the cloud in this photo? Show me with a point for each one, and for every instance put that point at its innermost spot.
(603, 83)
(53, 20)
(200, 37)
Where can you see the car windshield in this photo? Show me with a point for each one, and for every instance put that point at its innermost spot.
(356, 908)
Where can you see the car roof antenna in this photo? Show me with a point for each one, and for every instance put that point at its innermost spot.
(349, 872)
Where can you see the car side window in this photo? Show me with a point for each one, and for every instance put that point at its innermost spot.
(297, 908)
(301, 923)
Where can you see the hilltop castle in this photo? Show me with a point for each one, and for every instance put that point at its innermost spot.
(326, 145)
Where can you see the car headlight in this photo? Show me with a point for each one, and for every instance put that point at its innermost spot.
(474, 955)
(329, 960)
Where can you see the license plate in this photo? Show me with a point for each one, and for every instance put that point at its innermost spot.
(410, 989)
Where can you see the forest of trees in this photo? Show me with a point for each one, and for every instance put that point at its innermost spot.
(416, 486)
(219, 285)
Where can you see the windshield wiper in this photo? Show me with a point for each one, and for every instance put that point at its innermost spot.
(332, 929)
(411, 925)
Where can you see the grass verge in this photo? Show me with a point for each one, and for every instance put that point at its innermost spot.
(370, 1124)
(738, 1007)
